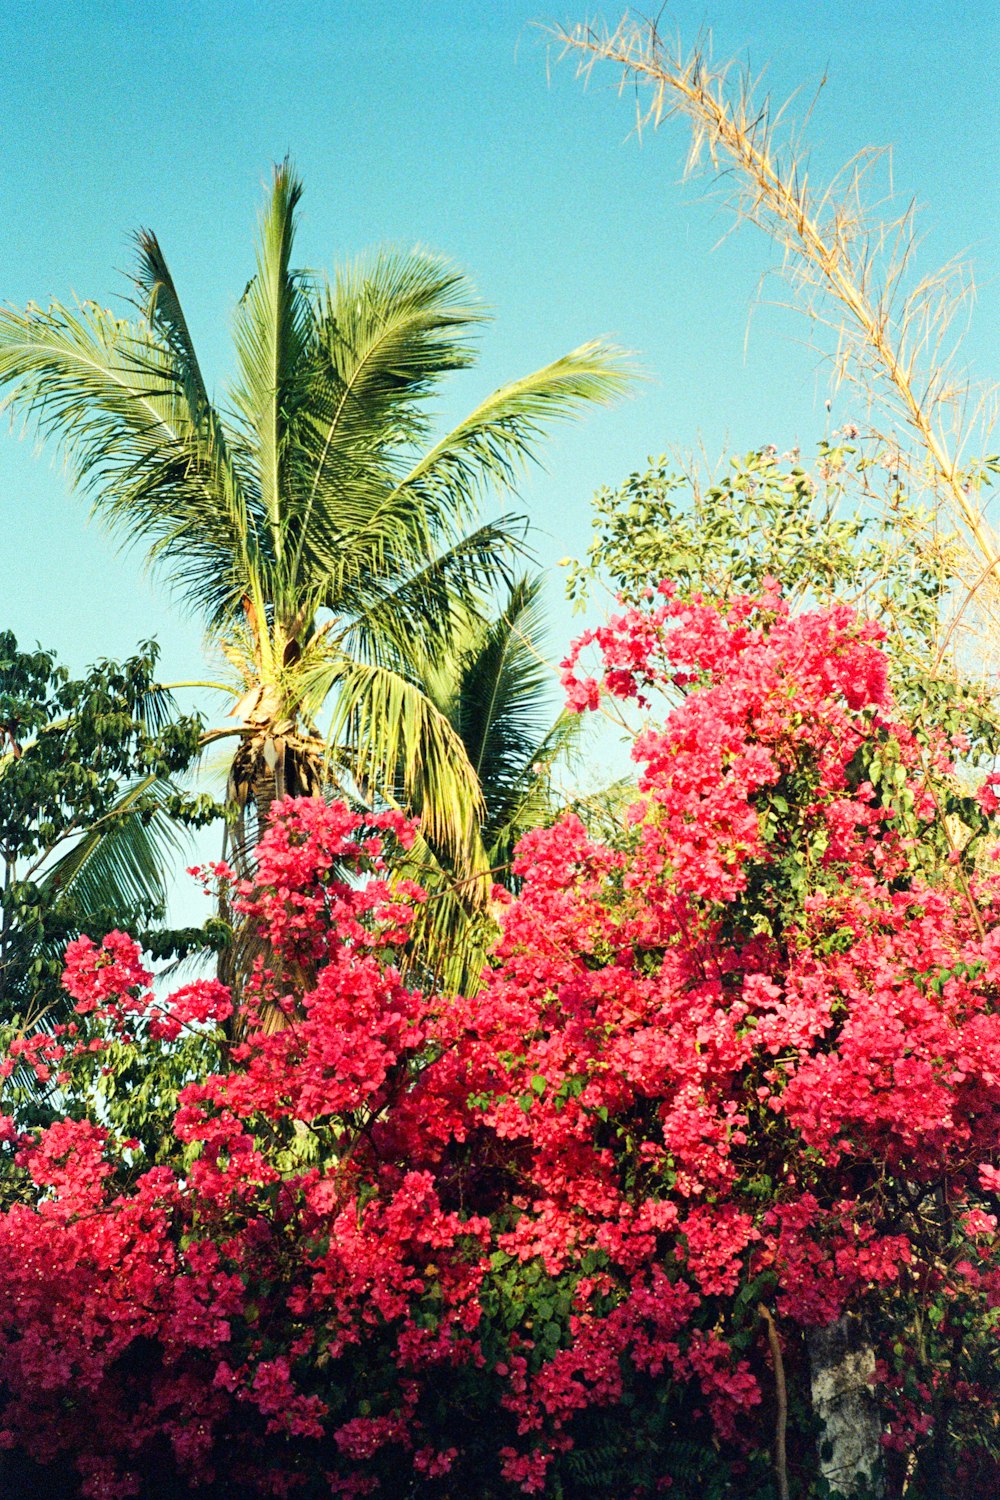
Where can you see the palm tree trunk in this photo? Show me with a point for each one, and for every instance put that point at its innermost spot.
(253, 785)
(272, 770)
(267, 788)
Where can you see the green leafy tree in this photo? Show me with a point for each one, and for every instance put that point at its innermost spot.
(90, 813)
(312, 520)
(843, 529)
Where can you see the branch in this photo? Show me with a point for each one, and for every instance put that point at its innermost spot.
(781, 1392)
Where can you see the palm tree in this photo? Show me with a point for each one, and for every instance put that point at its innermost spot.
(493, 686)
(325, 538)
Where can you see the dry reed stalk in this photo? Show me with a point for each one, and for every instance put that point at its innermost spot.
(852, 270)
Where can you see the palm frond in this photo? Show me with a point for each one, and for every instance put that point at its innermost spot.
(496, 689)
(386, 332)
(272, 333)
(356, 540)
(493, 686)
(390, 327)
(505, 685)
(529, 800)
(162, 309)
(493, 446)
(418, 614)
(451, 934)
(402, 750)
(155, 709)
(119, 863)
(107, 392)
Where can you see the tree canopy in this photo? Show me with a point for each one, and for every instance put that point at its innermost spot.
(91, 814)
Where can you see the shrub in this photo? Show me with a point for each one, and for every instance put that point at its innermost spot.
(733, 1074)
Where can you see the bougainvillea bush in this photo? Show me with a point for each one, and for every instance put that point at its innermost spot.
(733, 1073)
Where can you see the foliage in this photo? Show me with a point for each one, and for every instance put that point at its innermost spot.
(843, 529)
(745, 1056)
(313, 520)
(90, 813)
(494, 687)
(770, 514)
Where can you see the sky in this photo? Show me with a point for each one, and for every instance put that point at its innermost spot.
(450, 124)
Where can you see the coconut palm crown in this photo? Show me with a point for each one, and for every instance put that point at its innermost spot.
(312, 521)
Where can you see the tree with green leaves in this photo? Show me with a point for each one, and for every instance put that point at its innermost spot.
(90, 813)
(844, 529)
(327, 540)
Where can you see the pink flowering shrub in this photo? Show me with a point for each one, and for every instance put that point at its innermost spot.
(746, 1054)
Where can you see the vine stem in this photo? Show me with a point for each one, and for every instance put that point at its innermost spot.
(781, 1392)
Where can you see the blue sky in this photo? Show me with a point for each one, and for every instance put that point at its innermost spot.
(440, 124)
